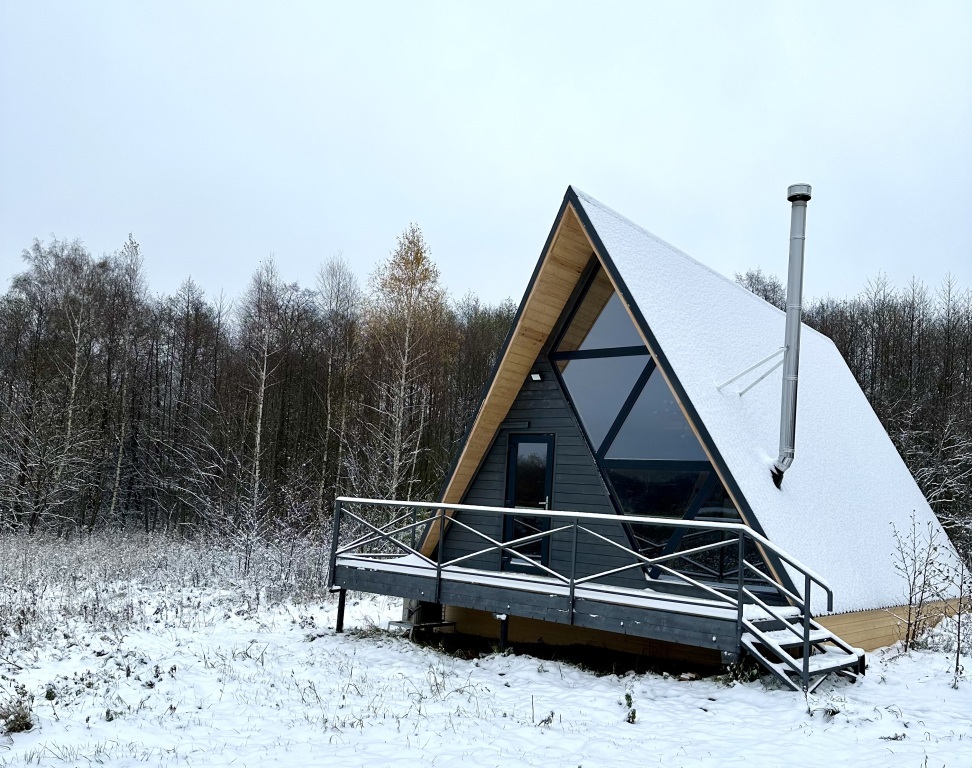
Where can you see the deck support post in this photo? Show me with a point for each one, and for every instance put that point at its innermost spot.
(339, 624)
(504, 630)
(438, 557)
(411, 540)
(806, 632)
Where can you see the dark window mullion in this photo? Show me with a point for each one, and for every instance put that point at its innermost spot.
(625, 410)
(587, 354)
(669, 466)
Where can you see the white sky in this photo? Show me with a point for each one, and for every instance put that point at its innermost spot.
(219, 133)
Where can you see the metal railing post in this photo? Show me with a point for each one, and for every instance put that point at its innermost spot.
(573, 569)
(740, 586)
(412, 536)
(438, 559)
(335, 531)
(806, 632)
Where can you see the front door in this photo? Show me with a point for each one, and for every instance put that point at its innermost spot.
(529, 485)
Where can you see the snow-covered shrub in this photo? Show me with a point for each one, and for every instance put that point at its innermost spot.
(927, 578)
(16, 707)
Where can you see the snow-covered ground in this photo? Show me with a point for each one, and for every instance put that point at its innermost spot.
(183, 671)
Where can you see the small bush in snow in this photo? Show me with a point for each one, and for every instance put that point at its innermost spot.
(745, 671)
(16, 712)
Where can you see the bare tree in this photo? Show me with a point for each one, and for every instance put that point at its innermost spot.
(918, 562)
(405, 318)
(767, 286)
(339, 299)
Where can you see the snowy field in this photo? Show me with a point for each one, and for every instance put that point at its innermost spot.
(141, 652)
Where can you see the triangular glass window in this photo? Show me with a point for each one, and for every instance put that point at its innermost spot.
(656, 428)
(643, 444)
(601, 321)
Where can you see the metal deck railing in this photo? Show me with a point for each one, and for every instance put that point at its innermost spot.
(382, 530)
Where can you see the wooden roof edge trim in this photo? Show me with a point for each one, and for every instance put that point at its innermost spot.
(681, 396)
(555, 229)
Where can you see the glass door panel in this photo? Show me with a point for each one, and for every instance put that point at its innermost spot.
(529, 485)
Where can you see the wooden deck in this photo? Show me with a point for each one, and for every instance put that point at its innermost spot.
(646, 613)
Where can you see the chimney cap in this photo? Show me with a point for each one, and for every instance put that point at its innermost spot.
(798, 192)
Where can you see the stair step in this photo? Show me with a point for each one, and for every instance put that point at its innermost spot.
(787, 639)
(820, 666)
(833, 660)
(822, 662)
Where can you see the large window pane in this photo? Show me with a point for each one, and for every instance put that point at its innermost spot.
(655, 492)
(599, 387)
(656, 429)
(601, 321)
(658, 493)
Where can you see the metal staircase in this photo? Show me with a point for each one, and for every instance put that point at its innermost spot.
(799, 651)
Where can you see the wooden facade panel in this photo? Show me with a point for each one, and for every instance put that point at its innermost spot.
(575, 451)
(683, 630)
(542, 315)
(385, 583)
(553, 283)
(571, 246)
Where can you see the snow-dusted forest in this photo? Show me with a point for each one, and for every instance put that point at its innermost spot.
(124, 409)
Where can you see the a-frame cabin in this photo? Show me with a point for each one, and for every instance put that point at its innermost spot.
(638, 460)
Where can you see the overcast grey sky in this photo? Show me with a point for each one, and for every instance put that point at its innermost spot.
(219, 133)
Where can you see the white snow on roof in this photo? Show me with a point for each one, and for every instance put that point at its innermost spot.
(847, 487)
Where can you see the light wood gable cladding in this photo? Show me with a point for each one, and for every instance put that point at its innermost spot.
(881, 627)
(587, 313)
(560, 269)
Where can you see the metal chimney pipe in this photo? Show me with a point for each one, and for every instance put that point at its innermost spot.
(798, 195)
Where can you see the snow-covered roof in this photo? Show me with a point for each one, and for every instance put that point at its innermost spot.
(847, 488)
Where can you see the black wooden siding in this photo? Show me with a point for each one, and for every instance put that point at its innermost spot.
(577, 487)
